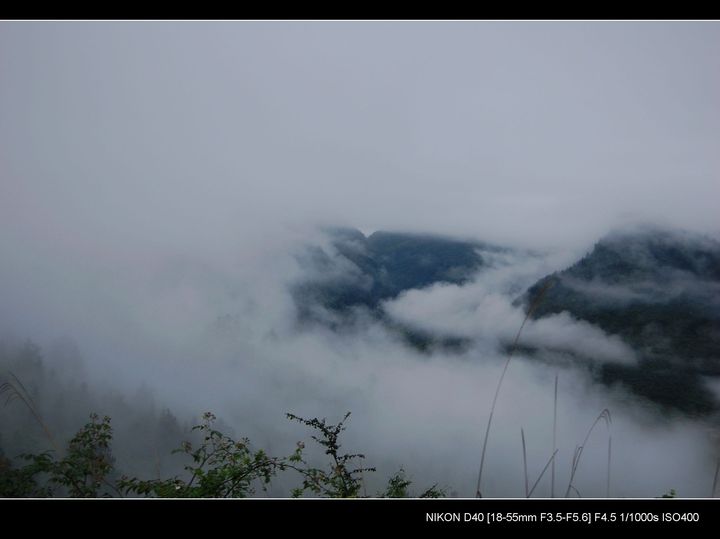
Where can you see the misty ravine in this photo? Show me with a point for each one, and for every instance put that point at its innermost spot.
(438, 316)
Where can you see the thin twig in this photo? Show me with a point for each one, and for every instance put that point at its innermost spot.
(17, 390)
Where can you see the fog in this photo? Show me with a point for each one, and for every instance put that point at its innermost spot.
(158, 180)
(485, 310)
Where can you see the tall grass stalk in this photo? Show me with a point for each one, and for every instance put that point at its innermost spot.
(552, 471)
(529, 491)
(609, 467)
(527, 488)
(533, 307)
(604, 415)
(537, 482)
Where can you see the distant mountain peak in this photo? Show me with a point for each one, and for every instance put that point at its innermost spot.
(650, 252)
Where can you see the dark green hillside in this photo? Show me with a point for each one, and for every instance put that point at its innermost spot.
(416, 261)
(660, 292)
(362, 272)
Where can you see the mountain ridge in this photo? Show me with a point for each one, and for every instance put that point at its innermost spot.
(658, 290)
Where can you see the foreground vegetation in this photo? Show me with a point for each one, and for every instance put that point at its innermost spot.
(46, 451)
(218, 467)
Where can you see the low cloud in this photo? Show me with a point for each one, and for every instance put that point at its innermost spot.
(486, 310)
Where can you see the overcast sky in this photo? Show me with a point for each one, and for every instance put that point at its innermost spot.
(540, 133)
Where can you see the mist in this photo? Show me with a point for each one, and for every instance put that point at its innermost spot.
(158, 181)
